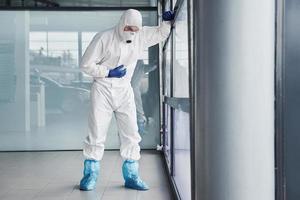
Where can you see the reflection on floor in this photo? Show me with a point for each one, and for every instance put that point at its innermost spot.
(55, 176)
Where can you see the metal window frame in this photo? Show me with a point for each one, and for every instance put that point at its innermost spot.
(82, 8)
(169, 170)
(178, 103)
(183, 104)
(12, 8)
(191, 38)
(165, 106)
(170, 132)
(280, 182)
(51, 5)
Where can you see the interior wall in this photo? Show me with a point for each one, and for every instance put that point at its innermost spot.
(234, 70)
(15, 33)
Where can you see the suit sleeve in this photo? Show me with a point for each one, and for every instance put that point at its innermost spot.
(155, 34)
(92, 56)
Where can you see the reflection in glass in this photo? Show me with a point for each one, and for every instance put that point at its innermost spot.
(182, 172)
(139, 84)
(181, 120)
(167, 68)
(181, 62)
(44, 98)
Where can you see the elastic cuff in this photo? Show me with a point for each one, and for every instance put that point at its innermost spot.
(93, 160)
(106, 73)
(92, 152)
(130, 160)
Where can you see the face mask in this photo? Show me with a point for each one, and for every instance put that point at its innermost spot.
(129, 36)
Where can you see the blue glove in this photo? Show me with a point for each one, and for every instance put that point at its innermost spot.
(168, 16)
(117, 72)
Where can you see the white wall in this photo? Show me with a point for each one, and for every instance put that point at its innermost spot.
(237, 59)
(15, 116)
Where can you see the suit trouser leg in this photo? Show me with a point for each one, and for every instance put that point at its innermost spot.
(98, 123)
(128, 129)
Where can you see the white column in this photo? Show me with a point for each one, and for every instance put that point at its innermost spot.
(22, 67)
(235, 48)
(15, 115)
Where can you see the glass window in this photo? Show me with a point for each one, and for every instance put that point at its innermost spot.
(182, 169)
(167, 68)
(44, 101)
(180, 61)
(64, 45)
(86, 39)
(181, 119)
(167, 5)
(38, 42)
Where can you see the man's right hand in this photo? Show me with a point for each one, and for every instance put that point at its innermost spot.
(168, 15)
(117, 72)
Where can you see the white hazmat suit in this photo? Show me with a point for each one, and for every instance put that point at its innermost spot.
(106, 51)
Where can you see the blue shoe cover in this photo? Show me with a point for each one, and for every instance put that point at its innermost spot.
(90, 175)
(131, 177)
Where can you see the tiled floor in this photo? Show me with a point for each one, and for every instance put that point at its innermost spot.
(55, 176)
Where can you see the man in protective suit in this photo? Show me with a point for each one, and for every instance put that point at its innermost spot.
(110, 59)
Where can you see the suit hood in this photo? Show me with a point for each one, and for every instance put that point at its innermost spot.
(130, 17)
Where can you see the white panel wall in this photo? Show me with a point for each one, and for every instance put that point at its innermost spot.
(15, 115)
(237, 57)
